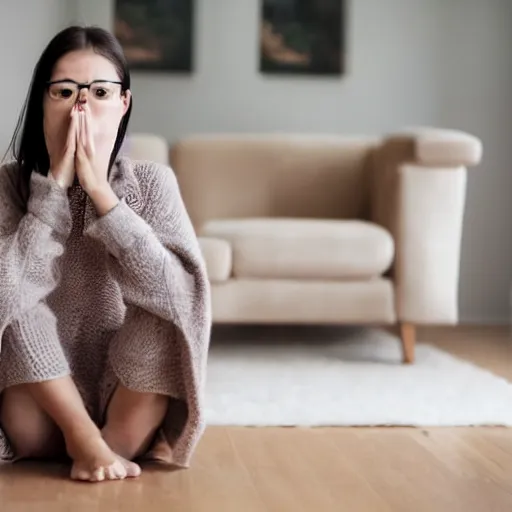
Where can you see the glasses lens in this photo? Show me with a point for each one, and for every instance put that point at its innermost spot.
(63, 91)
(103, 90)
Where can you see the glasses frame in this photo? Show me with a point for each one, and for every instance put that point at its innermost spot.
(83, 85)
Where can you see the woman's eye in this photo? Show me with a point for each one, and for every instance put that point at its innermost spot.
(66, 93)
(101, 93)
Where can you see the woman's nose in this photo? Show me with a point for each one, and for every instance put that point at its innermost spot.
(82, 96)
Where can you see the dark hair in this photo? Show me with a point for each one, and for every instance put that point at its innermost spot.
(28, 144)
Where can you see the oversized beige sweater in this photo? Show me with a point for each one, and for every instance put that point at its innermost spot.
(120, 298)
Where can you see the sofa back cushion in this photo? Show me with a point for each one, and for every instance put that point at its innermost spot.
(146, 146)
(300, 176)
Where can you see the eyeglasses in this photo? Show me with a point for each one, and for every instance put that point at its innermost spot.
(68, 90)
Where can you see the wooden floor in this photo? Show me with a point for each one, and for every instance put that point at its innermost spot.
(313, 470)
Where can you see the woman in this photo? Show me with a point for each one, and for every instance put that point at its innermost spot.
(104, 298)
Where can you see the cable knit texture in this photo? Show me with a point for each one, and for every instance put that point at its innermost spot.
(122, 298)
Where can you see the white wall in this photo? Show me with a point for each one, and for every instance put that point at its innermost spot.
(475, 76)
(432, 62)
(25, 29)
(382, 88)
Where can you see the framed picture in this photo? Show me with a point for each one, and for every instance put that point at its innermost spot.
(302, 37)
(156, 34)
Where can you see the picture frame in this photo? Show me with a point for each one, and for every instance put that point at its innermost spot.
(302, 37)
(156, 35)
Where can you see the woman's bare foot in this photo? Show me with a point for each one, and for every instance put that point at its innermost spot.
(94, 461)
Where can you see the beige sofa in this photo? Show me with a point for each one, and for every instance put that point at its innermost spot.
(300, 229)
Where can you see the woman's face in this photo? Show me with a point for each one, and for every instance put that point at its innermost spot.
(106, 101)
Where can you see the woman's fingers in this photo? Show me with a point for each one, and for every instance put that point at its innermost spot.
(88, 131)
(83, 134)
(80, 148)
(85, 152)
(73, 126)
(63, 167)
(78, 129)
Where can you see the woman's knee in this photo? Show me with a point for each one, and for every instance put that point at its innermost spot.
(29, 429)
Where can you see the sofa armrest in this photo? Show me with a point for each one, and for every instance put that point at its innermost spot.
(431, 147)
(418, 193)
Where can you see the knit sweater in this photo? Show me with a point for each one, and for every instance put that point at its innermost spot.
(122, 298)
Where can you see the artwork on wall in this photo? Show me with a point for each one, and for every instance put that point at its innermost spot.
(302, 37)
(156, 34)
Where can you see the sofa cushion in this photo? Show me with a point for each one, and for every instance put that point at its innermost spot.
(218, 258)
(305, 248)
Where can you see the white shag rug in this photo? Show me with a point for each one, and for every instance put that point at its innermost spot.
(354, 378)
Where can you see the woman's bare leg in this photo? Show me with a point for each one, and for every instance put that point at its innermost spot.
(93, 459)
(132, 421)
(30, 430)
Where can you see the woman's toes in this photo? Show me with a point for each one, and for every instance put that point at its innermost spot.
(118, 470)
(98, 475)
(81, 475)
(132, 470)
(115, 472)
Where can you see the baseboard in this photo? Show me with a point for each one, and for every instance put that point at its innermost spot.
(486, 320)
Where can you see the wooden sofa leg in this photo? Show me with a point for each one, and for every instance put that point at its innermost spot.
(408, 337)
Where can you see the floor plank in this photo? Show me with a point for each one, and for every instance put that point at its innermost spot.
(319, 470)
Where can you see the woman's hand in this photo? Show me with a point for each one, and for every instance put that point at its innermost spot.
(62, 164)
(92, 172)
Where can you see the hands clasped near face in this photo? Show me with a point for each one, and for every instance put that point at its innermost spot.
(78, 155)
